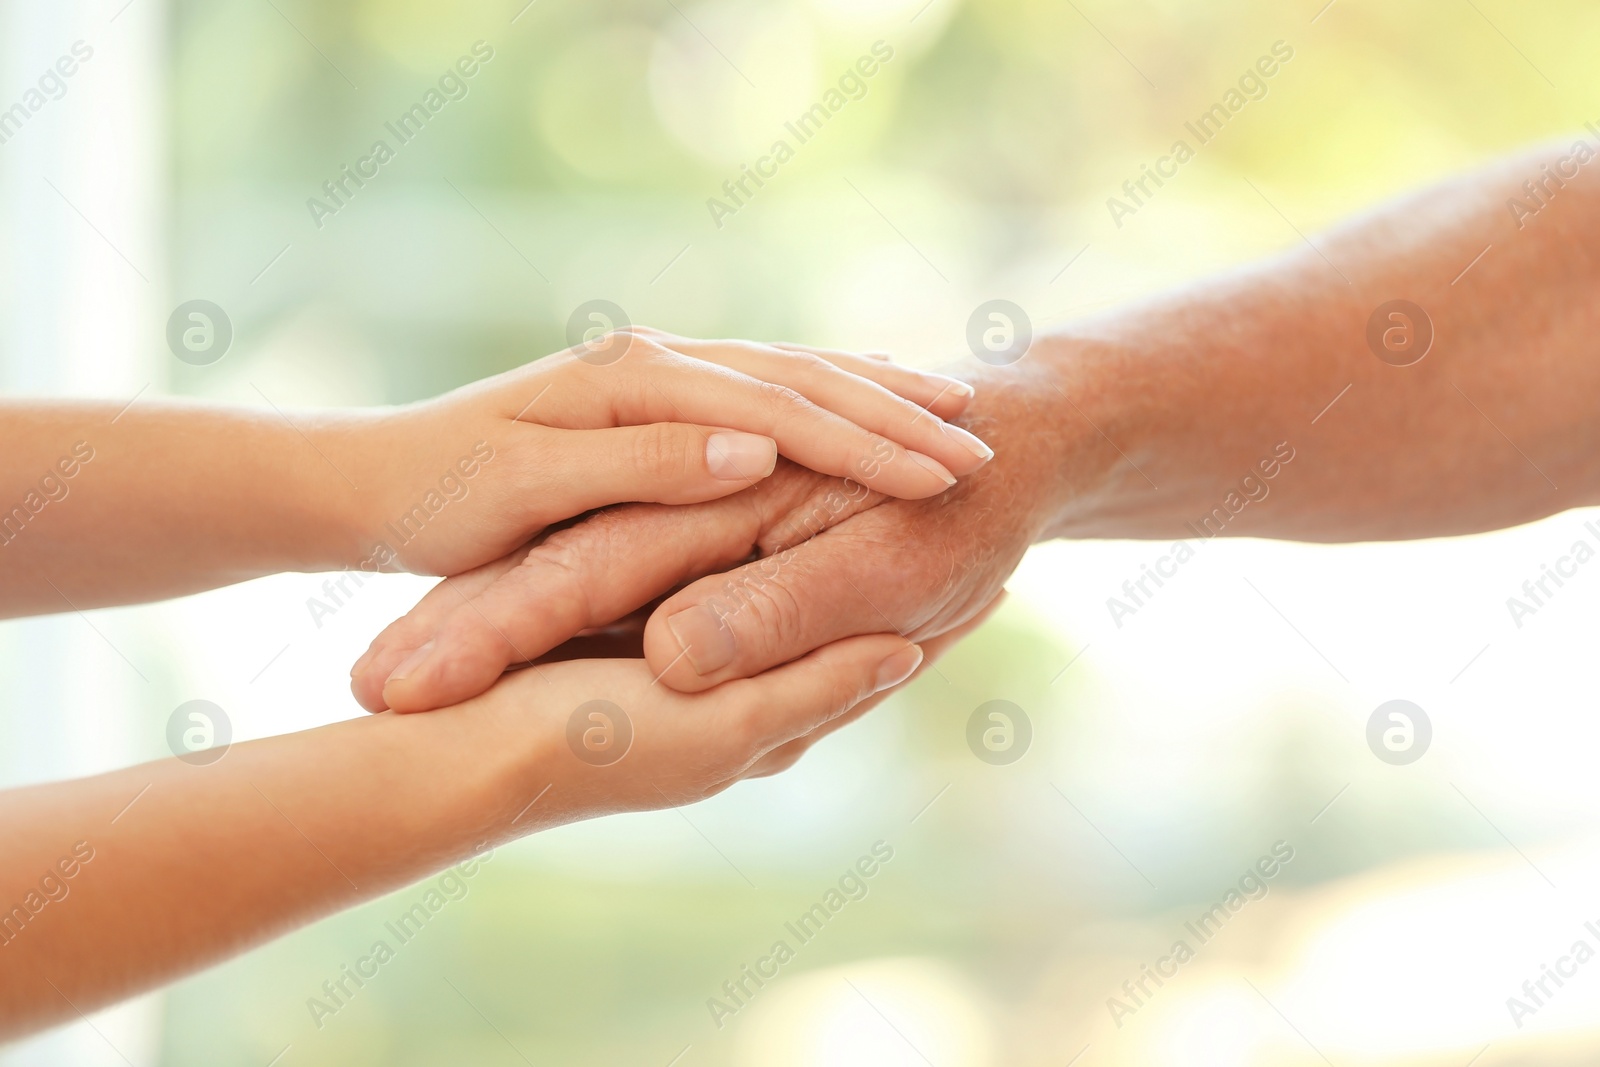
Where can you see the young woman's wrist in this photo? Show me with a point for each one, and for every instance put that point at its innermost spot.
(476, 770)
(521, 767)
(365, 457)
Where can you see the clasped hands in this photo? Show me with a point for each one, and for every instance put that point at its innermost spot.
(807, 515)
(817, 522)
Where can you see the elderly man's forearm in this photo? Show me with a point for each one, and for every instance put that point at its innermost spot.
(1254, 404)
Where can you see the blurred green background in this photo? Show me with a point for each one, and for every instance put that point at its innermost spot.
(1167, 755)
(580, 164)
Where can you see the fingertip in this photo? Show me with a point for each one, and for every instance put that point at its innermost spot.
(665, 653)
(395, 694)
(409, 680)
(799, 697)
(438, 687)
(897, 667)
(953, 398)
(906, 474)
(934, 467)
(969, 442)
(370, 701)
(952, 387)
(366, 657)
(368, 676)
(854, 670)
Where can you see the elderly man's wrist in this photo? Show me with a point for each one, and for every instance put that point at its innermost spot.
(1052, 420)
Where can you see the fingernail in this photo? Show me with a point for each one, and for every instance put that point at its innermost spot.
(366, 657)
(897, 668)
(933, 465)
(706, 640)
(740, 456)
(969, 441)
(953, 386)
(410, 664)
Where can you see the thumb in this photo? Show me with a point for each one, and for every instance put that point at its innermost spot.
(785, 755)
(769, 611)
(662, 463)
(803, 696)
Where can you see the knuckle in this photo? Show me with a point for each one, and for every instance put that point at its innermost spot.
(663, 362)
(557, 572)
(746, 738)
(472, 640)
(625, 338)
(661, 448)
(808, 364)
(645, 347)
(765, 611)
(540, 446)
(781, 399)
(847, 693)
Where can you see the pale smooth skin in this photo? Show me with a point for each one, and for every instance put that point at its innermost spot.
(182, 497)
(1132, 424)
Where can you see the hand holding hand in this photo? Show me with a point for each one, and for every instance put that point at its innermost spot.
(604, 738)
(638, 416)
(917, 567)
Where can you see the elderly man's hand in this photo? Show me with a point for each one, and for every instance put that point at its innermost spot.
(916, 568)
(815, 559)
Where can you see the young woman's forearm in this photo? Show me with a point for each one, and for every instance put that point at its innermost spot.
(102, 505)
(114, 884)
(99, 507)
(1269, 369)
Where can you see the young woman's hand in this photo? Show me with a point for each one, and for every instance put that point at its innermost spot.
(299, 825)
(636, 415)
(612, 740)
(639, 746)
